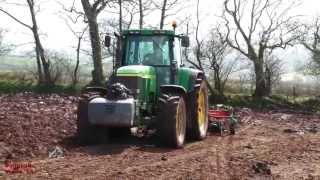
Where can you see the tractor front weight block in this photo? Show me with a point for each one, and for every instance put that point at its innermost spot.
(111, 113)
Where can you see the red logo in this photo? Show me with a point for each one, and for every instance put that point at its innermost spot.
(10, 167)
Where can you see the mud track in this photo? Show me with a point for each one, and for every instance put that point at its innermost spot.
(268, 145)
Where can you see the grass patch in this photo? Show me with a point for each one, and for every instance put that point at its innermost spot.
(15, 63)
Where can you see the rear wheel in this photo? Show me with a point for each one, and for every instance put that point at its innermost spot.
(171, 120)
(86, 132)
(199, 111)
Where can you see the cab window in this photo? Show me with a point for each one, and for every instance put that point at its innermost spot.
(147, 50)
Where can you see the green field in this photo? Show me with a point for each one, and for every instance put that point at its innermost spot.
(15, 67)
(16, 63)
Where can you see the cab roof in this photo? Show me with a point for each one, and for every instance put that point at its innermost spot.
(148, 32)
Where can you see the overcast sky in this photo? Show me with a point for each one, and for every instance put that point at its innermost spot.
(58, 36)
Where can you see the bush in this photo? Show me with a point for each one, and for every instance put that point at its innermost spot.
(272, 102)
(311, 104)
(14, 87)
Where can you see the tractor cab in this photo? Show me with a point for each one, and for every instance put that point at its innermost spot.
(146, 50)
(154, 50)
(160, 49)
(147, 60)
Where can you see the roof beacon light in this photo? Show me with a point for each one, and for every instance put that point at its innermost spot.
(174, 25)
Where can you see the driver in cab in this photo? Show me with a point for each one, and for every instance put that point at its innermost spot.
(152, 59)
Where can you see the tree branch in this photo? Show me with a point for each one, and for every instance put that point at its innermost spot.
(16, 19)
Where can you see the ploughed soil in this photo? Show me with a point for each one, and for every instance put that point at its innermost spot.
(273, 144)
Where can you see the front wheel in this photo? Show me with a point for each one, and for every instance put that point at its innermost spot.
(86, 132)
(171, 120)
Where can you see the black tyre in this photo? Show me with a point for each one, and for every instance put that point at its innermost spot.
(198, 122)
(86, 132)
(119, 132)
(171, 120)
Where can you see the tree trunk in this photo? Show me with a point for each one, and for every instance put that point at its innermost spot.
(97, 73)
(163, 13)
(75, 72)
(215, 96)
(213, 92)
(268, 88)
(217, 82)
(140, 14)
(120, 16)
(91, 14)
(45, 63)
(40, 74)
(40, 51)
(268, 82)
(260, 90)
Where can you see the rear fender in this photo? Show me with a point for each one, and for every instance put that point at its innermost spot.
(197, 80)
(188, 78)
(176, 89)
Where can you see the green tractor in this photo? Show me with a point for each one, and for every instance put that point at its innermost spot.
(150, 87)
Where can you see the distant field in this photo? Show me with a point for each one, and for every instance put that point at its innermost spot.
(16, 63)
(11, 67)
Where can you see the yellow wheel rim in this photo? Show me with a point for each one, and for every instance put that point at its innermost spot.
(178, 118)
(180, 127)
(201, 109)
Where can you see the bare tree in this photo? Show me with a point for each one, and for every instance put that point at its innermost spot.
(141, 14)
(163, 13)
(43, 64)
(61, 68)
(72, 17)
(215, 51)
(120, 15)
(199, 43)
(145, 7)
(311, 41)
(256, 26)
(128, 9)
(168, 8)
(244, 80)
(124, 12)
(199, 55)
(92, 10)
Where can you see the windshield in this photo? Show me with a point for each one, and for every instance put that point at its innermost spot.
(147, 50)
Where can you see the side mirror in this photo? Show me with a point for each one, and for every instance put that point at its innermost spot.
(185, 41)
(107, 41)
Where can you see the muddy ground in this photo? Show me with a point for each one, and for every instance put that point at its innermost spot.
(274, 144)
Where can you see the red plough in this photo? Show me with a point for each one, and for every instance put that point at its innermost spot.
(224, 119)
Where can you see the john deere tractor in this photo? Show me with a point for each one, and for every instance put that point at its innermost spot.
(150, 87)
